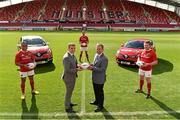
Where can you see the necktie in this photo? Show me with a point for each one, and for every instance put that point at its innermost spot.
(73, 57)
(97, 57)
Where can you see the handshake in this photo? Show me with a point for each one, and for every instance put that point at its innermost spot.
(85, 66)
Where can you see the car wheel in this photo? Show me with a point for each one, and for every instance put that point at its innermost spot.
(50, 62)
(119, 64)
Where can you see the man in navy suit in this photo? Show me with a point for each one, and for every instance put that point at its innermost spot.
(98, 68)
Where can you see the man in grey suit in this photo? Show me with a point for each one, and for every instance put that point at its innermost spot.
(69, 75)
(98, 68)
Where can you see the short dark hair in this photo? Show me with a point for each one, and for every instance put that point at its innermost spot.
(99, 44)
(24, 43)
(149, 42)
(71, 44)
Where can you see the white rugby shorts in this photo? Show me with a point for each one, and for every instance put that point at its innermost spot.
(26, 74)
(145, 73)
(83, 48)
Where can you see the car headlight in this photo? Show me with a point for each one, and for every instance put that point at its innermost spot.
(118, 52)
(49, 51)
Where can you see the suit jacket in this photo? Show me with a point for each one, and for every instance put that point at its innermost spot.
(70, 65)
(99, 70)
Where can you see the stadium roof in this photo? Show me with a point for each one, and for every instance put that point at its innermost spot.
(169, 2)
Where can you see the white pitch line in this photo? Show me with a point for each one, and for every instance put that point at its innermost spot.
(83, 109)
(58, 114)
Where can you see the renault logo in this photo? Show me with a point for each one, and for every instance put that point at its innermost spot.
(125, 56)
(38, 54)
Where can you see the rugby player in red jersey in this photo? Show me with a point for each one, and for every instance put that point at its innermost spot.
(83, 40)
(149, 58)
(23, 57)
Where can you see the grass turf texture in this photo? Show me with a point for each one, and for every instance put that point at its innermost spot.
(119, 89)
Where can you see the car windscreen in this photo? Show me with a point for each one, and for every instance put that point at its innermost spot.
(135, 44)
(34, 42)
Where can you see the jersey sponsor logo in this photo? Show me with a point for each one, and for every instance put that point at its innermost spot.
(147, 55)
(25, 56)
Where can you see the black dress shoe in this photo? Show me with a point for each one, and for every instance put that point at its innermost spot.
(98, 109)
(70, 110)
(72, 104)
(94, 103)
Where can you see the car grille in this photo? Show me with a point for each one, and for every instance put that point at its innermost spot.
(42, 60)
(128, 56)
(40, 54)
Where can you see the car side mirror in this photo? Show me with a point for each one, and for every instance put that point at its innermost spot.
(122, 45)
(47, 43)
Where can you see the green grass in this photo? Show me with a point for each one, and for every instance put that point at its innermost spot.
(119, 88)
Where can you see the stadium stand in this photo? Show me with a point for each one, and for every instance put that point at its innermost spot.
(94, 10)
(31, 11)
(115, 10)
(113, 13)
(136, 12)
(52, 10)
(157, 15)
(10, 13)
(74, 9)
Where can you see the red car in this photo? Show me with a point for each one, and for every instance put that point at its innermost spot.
(128, 52)
(39, 47)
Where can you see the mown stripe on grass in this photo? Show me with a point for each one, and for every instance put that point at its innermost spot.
(83, 109)
(5, 114)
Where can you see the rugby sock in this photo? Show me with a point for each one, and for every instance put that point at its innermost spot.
(87, 57)
(149, 88)
(141, 82)
(80, 57)
(32, 84)
(23, 87)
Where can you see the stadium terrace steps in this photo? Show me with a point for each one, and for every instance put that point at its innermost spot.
(116, 10)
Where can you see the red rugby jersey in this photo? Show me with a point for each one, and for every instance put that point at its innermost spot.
(148, 57)
(24, 57)
(83, 39)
